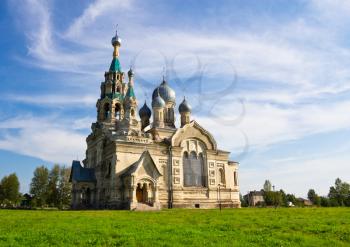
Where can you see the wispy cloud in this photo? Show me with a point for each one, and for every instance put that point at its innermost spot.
(47, 100)
(47, 138)
(80, 25)
(268, 124)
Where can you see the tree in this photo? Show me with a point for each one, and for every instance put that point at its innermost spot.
(53, 192)
(9, 190)
(324, 201)
(39, 186)
(64, 188)
(283, 198)
(339, 195)
(313, 197)
(267, 186)
(273, 198)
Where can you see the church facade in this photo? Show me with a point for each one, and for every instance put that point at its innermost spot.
(146, 162)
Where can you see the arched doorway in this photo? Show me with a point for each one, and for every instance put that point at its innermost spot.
(144, 192)
(139, 193)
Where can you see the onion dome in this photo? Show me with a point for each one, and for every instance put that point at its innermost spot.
(145, 111)
(130, 72)
(166, 92)
(116, 41)
(158, 101)
(184, 106)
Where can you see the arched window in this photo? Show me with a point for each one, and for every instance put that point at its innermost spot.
(168, 115)
(132, 113)
(201, 161)
(106, 111)
(221, 175)
(193, 169)
(118, 89)
(117, 111)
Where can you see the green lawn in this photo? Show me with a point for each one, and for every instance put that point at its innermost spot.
(180, 227)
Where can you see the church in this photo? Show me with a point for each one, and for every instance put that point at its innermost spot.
(144, 161)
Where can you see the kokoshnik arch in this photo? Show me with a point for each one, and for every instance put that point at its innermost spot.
(136, 164)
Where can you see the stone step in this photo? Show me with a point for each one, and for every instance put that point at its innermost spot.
(145, 207)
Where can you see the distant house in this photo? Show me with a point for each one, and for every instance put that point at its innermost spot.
(305, 202)
(255, 198)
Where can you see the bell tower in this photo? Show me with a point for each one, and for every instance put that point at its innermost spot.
(110, 105)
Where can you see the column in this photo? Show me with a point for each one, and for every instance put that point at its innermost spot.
(133, 194)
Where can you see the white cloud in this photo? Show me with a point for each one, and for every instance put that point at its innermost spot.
(47, 138)
(92, 12)
(267, 124)
(298, 177)
(54, 100)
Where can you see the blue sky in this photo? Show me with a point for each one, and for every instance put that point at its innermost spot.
(269, 79)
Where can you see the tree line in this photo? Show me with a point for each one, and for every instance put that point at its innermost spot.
(48, 188)
(338, 196)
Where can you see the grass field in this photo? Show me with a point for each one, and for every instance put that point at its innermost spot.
(231, 227)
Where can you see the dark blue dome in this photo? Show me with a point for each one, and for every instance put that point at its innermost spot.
(166, 92)
(145, 111)
(184, 107)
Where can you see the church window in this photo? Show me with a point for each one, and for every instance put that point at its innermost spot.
(118, 89)
(106, 110)
(221, 174)
(117, 111)
(168, 115)
(193, 169)
(132, 112)
(201, 161)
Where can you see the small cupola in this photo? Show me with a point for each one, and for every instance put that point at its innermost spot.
(185, 107)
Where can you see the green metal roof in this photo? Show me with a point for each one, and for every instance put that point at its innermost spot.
(115, 95)
(115, 65)
(130, 93)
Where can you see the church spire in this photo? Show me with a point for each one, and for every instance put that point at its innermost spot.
(116, 43)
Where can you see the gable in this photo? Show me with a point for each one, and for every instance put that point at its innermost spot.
(193, 131)
(145, 166)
